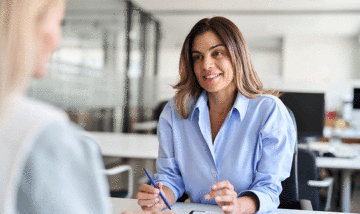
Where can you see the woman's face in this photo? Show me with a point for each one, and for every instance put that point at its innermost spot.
(50, 37)
(212, 64)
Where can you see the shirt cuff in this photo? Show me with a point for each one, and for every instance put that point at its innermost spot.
(266, 204)
(171, 187)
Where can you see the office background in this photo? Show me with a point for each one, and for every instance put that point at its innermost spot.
(118, 58)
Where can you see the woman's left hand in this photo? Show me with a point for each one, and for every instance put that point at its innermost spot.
(226, 197)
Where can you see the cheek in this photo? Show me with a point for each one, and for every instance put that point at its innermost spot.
(197, 72)
(50, 42)
(51, 39)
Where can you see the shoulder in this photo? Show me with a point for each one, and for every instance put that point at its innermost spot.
(170, 109)
(268, 100)
(40, 111)
(65, 140)
(275, 115)
(57, 132)
(267, 103)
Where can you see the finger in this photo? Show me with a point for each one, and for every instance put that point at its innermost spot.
(223, 192)
(225, 199)
(222, 185)
(152, 208)
(146, 196)
(149, 202)
(159, 184)
(228, 208)
(209, 196)
(149, 189)
(157, 207)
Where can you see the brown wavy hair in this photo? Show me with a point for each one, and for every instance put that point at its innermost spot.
(247, 80)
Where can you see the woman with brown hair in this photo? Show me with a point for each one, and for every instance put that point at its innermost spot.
(223, 139)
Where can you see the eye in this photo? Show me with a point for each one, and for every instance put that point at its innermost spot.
(197, 57)
(217, 53)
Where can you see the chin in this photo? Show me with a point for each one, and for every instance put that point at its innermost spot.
(40, 72)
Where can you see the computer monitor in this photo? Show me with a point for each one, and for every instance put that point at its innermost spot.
(309, 111)
(356, 99)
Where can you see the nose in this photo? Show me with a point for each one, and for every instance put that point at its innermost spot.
(208, 62)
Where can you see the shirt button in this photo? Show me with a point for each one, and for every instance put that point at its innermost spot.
(214, 175)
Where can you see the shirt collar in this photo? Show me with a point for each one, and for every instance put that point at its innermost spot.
(240, 105)
(200, 103)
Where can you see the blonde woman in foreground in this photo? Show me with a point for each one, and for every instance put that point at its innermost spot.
(46, 164)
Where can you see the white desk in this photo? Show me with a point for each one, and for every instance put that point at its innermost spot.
(145, 126)
(133, 146)
(143, 146)
(120, 205)
(345, 165)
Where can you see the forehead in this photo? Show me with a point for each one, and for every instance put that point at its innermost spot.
(206, 40)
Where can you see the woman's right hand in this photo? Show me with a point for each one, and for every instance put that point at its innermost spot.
(149, 198)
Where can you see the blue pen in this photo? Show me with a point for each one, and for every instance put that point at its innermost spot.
(153, 182)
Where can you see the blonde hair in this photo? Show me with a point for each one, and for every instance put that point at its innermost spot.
(247, 80)
(20, 21)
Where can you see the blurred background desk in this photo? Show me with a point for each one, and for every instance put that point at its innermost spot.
(344, 165)
(144, 146)
(135, 150)
(120, 205)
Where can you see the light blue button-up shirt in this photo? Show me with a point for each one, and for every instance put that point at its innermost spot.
(253, 149)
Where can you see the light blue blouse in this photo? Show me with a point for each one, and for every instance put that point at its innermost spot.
(63, 174)
(253, 149)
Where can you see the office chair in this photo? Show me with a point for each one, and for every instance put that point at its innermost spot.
(309, 183)
(289, 197)
(117, 170)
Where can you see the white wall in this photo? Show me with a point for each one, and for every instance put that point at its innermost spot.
(311, 63)
(168, 72)
(318, 63)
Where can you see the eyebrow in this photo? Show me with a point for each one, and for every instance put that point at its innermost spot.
(211, 48)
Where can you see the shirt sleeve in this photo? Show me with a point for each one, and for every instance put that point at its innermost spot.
(166, 165)
(63, 174)
(277, 139)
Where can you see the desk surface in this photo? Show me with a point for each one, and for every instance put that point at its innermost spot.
(334, 162)
(120, 205)
(127, 145)
(338, 163)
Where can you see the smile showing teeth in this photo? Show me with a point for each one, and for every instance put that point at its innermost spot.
(212, 76)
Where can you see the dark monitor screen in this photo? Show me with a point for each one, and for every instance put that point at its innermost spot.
(356, 100)
(309, 111)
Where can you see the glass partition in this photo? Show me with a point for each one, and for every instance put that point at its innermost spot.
(104, 64)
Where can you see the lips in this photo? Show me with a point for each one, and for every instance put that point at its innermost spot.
(211, 77)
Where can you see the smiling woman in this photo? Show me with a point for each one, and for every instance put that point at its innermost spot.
(212, 64)
(226, 34)
(223, 139)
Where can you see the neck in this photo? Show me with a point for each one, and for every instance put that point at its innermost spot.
(222, 101)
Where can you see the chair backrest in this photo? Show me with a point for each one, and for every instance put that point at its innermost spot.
(289, 197)
(159, 108)
(308, 171)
